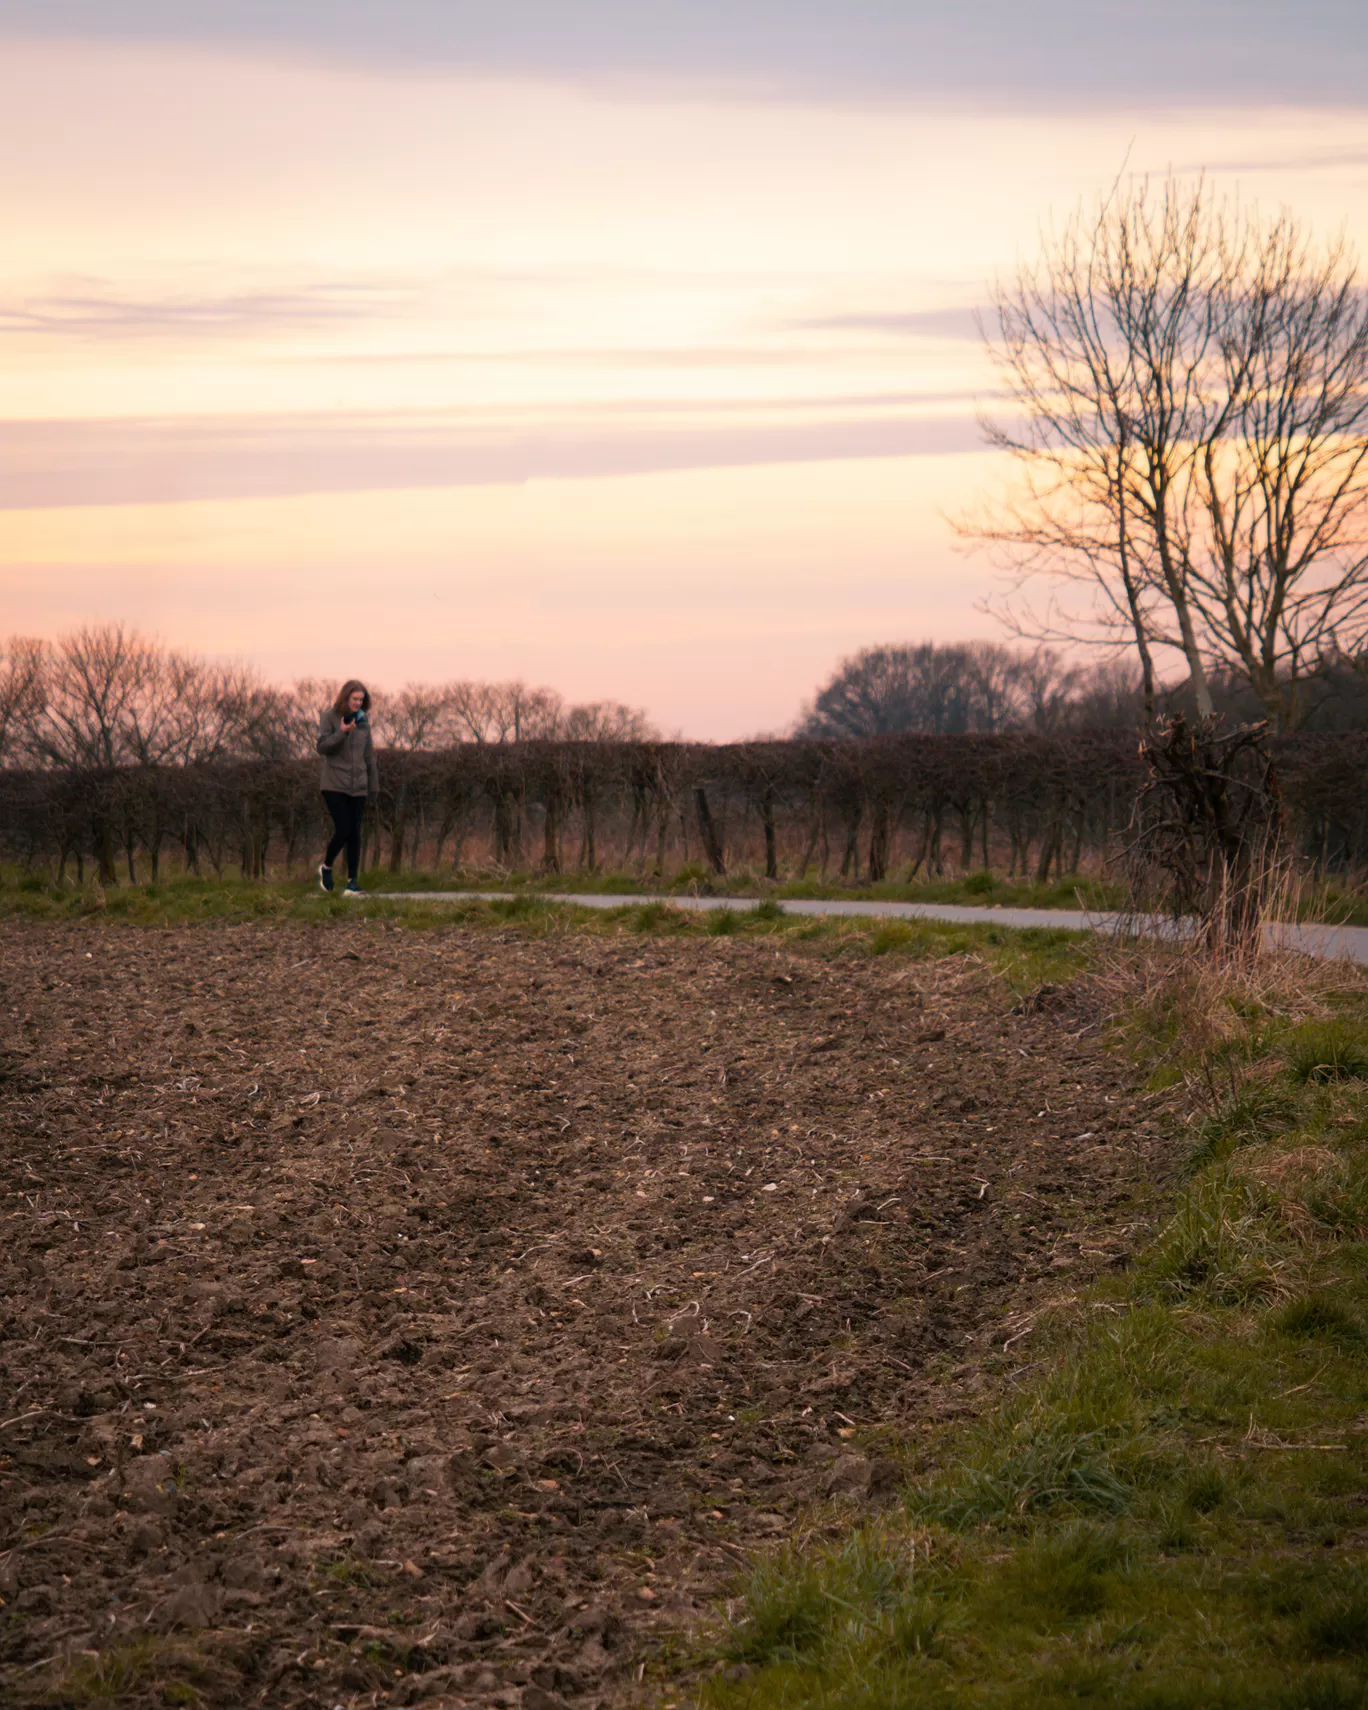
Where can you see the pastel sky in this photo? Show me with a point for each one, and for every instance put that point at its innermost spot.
(625, 348)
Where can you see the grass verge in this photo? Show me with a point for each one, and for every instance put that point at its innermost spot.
(1168, 1505)
(978, 889)
(1341, 902)
(1025, 959)
(1337, 902)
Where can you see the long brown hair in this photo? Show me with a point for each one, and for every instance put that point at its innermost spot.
(344, 694)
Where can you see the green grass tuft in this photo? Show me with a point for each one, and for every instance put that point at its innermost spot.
(1328, 1051)
(1337, 1626)
(1056, 1468)
(863, 1594)
(1062, 1577)
(1318, 1316)
(516, 908)
(1218, 1244)
(660, 917)
(891, 935)
(1205, 1489)
(1264, 1111)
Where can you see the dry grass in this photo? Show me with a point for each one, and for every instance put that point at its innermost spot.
(1203, 1015)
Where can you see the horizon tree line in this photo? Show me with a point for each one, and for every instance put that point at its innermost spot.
(985, 687)
(104, 696)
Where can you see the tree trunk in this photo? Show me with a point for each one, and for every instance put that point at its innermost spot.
(767, 820)
(968, 821)
(934, 862)
(551, 854)
(662, 837)
(814, 833)
(104, 845)
(707, 827)
(1049, 846)
(922, 848)
(504, 838)
(849, 861)
(880, 837)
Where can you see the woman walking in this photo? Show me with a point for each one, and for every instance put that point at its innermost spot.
(350, 779)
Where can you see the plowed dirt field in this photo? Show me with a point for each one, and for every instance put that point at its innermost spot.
(395, 1317)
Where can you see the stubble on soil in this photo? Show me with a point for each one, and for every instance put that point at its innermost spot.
(440, 1318)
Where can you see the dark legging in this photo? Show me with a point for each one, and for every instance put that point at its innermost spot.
(347, 812)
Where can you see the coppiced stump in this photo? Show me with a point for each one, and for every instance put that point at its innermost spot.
(1209, 819)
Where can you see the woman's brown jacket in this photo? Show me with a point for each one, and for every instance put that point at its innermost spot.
(348, 757)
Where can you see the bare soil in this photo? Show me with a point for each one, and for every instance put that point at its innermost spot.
(394, 1317)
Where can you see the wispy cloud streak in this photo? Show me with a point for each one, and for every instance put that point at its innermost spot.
(95, 312)
(921, 323)
(80, 463)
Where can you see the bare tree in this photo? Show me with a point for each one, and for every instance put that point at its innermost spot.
(21, 695)
(229, 709)
(503, 712)
(471, 711)
(89, 681)
(105, 696)
(996, 679)
(1191, 439)
(162, 717)
(419, 716)
(301, 707)
(526, 715)
(607, 721)
(1107, 696)
(1047, 690)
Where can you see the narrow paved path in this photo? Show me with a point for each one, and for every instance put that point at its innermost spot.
(1349, 942)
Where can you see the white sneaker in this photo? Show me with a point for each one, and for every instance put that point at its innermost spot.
(353, 891)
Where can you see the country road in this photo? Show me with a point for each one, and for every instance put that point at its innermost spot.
(1347, 942)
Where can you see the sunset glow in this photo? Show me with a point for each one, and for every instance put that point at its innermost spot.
(654, 390)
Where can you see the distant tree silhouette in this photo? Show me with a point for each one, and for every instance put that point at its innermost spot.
(941, 690)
